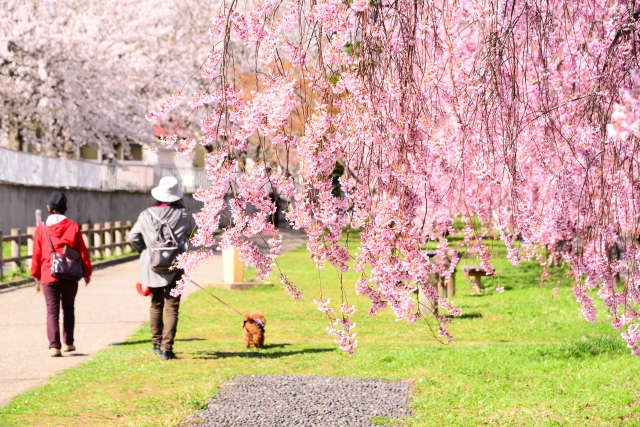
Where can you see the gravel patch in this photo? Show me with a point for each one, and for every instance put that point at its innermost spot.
(290, 400)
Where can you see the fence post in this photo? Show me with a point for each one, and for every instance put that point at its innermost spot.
(128, 226)
(108, 239)
(15, 247)
(31, 232)
(117, 231)
(85, 235)
(97, 240)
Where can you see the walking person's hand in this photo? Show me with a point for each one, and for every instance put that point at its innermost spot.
(87, 280)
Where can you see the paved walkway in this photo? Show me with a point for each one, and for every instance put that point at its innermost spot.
(107, 312)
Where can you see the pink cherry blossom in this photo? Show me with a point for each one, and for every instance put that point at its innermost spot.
(176, 100)
(396, 119)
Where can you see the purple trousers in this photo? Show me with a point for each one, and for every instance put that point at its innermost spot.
(56, 294)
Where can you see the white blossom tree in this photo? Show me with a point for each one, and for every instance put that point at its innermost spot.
(79, 72)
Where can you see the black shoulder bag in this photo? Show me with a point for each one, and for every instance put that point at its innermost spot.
(63, 266)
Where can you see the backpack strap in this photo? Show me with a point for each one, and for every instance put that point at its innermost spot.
(163, 222)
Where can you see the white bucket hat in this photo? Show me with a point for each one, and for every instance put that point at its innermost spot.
(168, 190)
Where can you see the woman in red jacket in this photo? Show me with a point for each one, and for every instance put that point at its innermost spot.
(63, 232)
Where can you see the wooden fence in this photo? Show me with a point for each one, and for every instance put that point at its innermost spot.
(102, 240)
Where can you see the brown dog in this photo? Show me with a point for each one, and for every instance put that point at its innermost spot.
(253, 327)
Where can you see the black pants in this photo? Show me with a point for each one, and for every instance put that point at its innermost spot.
(55, 294)
(164, 331)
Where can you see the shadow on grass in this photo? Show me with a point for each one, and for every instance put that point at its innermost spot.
(268, 346)
(466, 316)
(486, 290)
(255, 354)
(585, 348)
(149, 341)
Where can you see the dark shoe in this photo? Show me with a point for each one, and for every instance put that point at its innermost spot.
(168, 355)
(156, 349)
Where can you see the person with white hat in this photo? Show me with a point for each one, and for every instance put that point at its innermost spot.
(169, 221)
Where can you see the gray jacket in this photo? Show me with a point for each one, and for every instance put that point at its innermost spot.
(143, 233)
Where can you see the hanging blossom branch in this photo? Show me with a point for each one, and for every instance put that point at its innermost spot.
(489, 110)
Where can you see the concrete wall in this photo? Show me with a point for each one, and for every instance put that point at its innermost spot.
(36, 170)
(19, 202)
(32, 169)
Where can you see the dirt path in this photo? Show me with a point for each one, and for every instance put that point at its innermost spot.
(107, 312)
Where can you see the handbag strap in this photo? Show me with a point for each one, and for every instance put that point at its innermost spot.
(164, 222)
(44, 225)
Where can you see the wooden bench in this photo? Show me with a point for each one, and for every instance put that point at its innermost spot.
(476, 272)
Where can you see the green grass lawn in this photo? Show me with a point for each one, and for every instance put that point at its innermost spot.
(520, 358)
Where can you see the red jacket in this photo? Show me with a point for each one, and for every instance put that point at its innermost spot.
(65, 233)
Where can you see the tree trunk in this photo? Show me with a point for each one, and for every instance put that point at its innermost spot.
(15, 142)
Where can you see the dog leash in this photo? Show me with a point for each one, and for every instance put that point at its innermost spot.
(216, 298)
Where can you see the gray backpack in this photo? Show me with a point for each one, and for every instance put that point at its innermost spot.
(163, 252)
